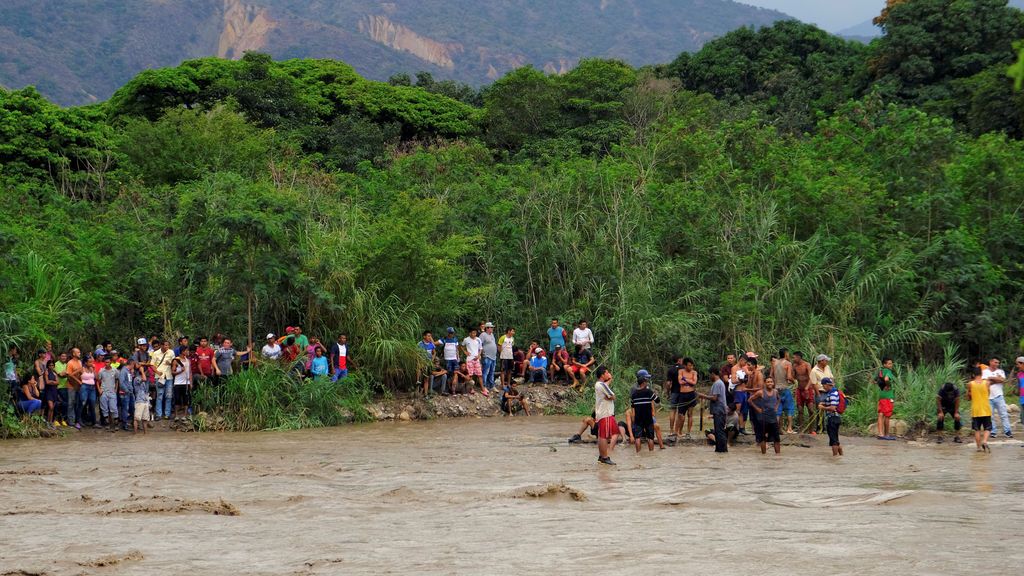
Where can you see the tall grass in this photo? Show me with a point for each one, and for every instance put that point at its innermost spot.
(916, 389)
(267, 397)
(13, 425)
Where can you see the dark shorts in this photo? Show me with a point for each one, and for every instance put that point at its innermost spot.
(980, 423)
(507, 365)
(686, 402)
(50, 394)
(182, 396)
(767, 432)
(644, 431)
(832, 423)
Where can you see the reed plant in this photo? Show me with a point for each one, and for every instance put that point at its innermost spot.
(270, 397)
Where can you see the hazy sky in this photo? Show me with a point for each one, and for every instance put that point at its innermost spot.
(832, 15)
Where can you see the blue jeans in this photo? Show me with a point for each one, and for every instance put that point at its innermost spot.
(30, 406)
(998, 405)
(126, 409)
(164, 398)
(88, 404)
(339, 373)
(534, 372)
(74, 408)
(488, 370)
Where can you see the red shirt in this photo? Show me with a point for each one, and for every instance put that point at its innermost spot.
(204, 357)
(290, 353)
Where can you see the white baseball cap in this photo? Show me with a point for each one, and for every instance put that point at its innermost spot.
(269, 336)
(538, 350)
(141, 341)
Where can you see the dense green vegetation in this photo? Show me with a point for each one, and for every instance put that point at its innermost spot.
(781, 187)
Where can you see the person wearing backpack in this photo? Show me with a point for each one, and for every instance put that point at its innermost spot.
(886, 398)
(833, 405)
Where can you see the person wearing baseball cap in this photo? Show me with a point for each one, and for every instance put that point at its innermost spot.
(538, 366)
(272, 349)
(450, 346)
(642, 401)
(830, 404)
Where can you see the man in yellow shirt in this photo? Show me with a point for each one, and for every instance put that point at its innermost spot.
(161, 361)
(981, 410)
(821, 371)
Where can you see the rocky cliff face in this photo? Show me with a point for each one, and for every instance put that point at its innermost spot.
(245, 28)
(398, 37)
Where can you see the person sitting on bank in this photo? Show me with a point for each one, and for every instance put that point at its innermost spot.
(512, 400)
(538, 367)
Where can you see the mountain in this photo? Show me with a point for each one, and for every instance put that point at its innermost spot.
(78, 51)
(863, 32)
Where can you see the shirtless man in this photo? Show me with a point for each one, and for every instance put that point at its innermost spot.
(687, 398)
(755, 383)
(782, 373)
(804, 391)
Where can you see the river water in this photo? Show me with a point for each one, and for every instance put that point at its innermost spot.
(499, 496)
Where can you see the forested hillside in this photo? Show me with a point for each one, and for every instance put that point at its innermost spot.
(779, 187)
(78, 51)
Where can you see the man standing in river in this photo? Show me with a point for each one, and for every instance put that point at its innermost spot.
(782, 373)
(604, 413)
(804, 391)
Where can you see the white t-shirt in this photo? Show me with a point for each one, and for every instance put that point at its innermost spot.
(182, 378)
(995, 390)
(472, 346)
(506, 347)
(272, 351)
(583, 336)
(603, 407)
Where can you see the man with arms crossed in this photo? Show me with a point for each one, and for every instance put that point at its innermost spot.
(604, 413)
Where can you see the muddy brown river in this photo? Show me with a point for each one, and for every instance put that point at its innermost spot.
(500, 496)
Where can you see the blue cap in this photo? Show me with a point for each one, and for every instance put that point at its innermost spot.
(643, 375)
(451, 330)
(827, 381)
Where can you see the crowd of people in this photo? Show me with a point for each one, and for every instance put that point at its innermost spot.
(742, 391)
(155, 379)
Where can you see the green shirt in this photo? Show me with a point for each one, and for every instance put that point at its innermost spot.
(302, 342)
(58, 367)
(888, 394)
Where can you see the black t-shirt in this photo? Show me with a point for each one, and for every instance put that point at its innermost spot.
(948, 398)
(673, 377)
(643, 400)
(584, 356)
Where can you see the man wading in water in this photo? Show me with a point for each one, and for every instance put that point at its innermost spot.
(604, 413)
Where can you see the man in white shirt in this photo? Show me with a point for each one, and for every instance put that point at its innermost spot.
(271, 350)
(604, 414)
(582, 336)
(471, 348)
(995, 376)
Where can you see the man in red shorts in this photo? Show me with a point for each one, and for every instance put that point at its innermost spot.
(804, 391)
(604, 413)
(581, 364)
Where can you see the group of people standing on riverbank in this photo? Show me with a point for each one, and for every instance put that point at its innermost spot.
(740, 390)
(767, 396)
(153, 381)
(452, 366)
